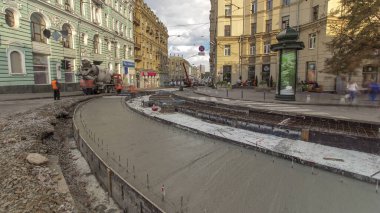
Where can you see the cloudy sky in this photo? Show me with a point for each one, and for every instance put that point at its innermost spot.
(190, 20)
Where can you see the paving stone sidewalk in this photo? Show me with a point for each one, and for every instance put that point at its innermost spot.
(302, 98)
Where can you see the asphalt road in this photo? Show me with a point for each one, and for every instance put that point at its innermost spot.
(211, 175)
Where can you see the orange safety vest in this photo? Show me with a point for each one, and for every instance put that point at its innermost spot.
(54, 84)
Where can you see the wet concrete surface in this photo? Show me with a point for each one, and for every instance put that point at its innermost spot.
(211, 175)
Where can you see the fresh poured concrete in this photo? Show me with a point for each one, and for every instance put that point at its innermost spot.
(210, 175)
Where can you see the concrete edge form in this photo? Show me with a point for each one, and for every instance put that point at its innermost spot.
(123, 193)
(345, 173)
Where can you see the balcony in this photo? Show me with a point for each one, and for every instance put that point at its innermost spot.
(136, 21)
(138, 46)
(41, 48)
(69, 53)
(97, 57)
(138, 57)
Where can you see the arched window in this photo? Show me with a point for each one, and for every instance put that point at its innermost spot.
(97, 44)
(82, 7)
(37, 26)
(16, 62)
(84, 39)
(67, 36)
(10, 18)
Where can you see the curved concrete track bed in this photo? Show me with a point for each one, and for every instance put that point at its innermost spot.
(205, 175)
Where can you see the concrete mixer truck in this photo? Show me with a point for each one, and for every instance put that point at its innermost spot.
(95, 80)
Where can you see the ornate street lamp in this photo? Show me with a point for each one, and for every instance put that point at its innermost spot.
(288, 47)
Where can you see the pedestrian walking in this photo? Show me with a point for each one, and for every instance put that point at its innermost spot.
(374, 89)
(55, 86)
(353, 89)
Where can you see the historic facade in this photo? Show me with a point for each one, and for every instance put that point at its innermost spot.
(176, 69)
(46, 39)
(245, 30)
(151, 47)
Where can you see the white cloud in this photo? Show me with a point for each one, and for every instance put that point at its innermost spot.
(190, 20)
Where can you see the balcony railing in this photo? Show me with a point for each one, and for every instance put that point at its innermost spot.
(138, 57)
(138, 46)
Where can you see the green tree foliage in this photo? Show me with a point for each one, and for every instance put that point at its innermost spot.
(356, 36)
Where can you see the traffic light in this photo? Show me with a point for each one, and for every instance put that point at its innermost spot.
(67, 64)
(63, 65)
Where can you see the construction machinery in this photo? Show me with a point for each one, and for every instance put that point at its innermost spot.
(187, 80)
(95, 80)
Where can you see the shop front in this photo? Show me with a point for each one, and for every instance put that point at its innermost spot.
(129, 75)
(148, 79)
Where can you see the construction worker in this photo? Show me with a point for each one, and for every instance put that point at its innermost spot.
(55, 87)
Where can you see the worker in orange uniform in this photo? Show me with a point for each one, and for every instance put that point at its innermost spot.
(55, 87)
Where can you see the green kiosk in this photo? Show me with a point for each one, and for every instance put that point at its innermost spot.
(287, 79)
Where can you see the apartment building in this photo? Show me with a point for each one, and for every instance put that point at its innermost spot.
(39, 36)
(245, 30)
(176, 68)
(151, 47)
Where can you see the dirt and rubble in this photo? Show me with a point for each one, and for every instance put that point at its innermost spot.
(27, 187)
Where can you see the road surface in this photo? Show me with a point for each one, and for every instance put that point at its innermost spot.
(211, 175)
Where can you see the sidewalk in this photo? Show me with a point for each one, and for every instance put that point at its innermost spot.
(33, 96)
(340, 112)
(325, 99)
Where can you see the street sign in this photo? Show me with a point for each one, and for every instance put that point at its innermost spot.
(56, 36)
(201, 53)
(201, 48)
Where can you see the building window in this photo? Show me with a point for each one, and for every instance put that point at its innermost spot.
(285, 2)
(268, 26)
(10, 18)
(227, 10)
(315, 13)
(130, 51)
(108, 44)
(311, 72)
(41, 69)
(82, 8)
(266, 47)
(68, 5)
(227, 69)
(254, 7)
(16, 62)
(227, 50)
(227, 30)
(285, 22)
(269, 4)
(69, 70)
(312, 40)
(67, 36)
(107, 20)
(97, 48)
(117, 27)
(110, 67)
(252, 49)
(253, 28)
(84, 39)
(96, 14)
(117, 50)
(37, 25)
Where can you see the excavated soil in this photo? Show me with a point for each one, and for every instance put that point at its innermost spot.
(25, 187)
